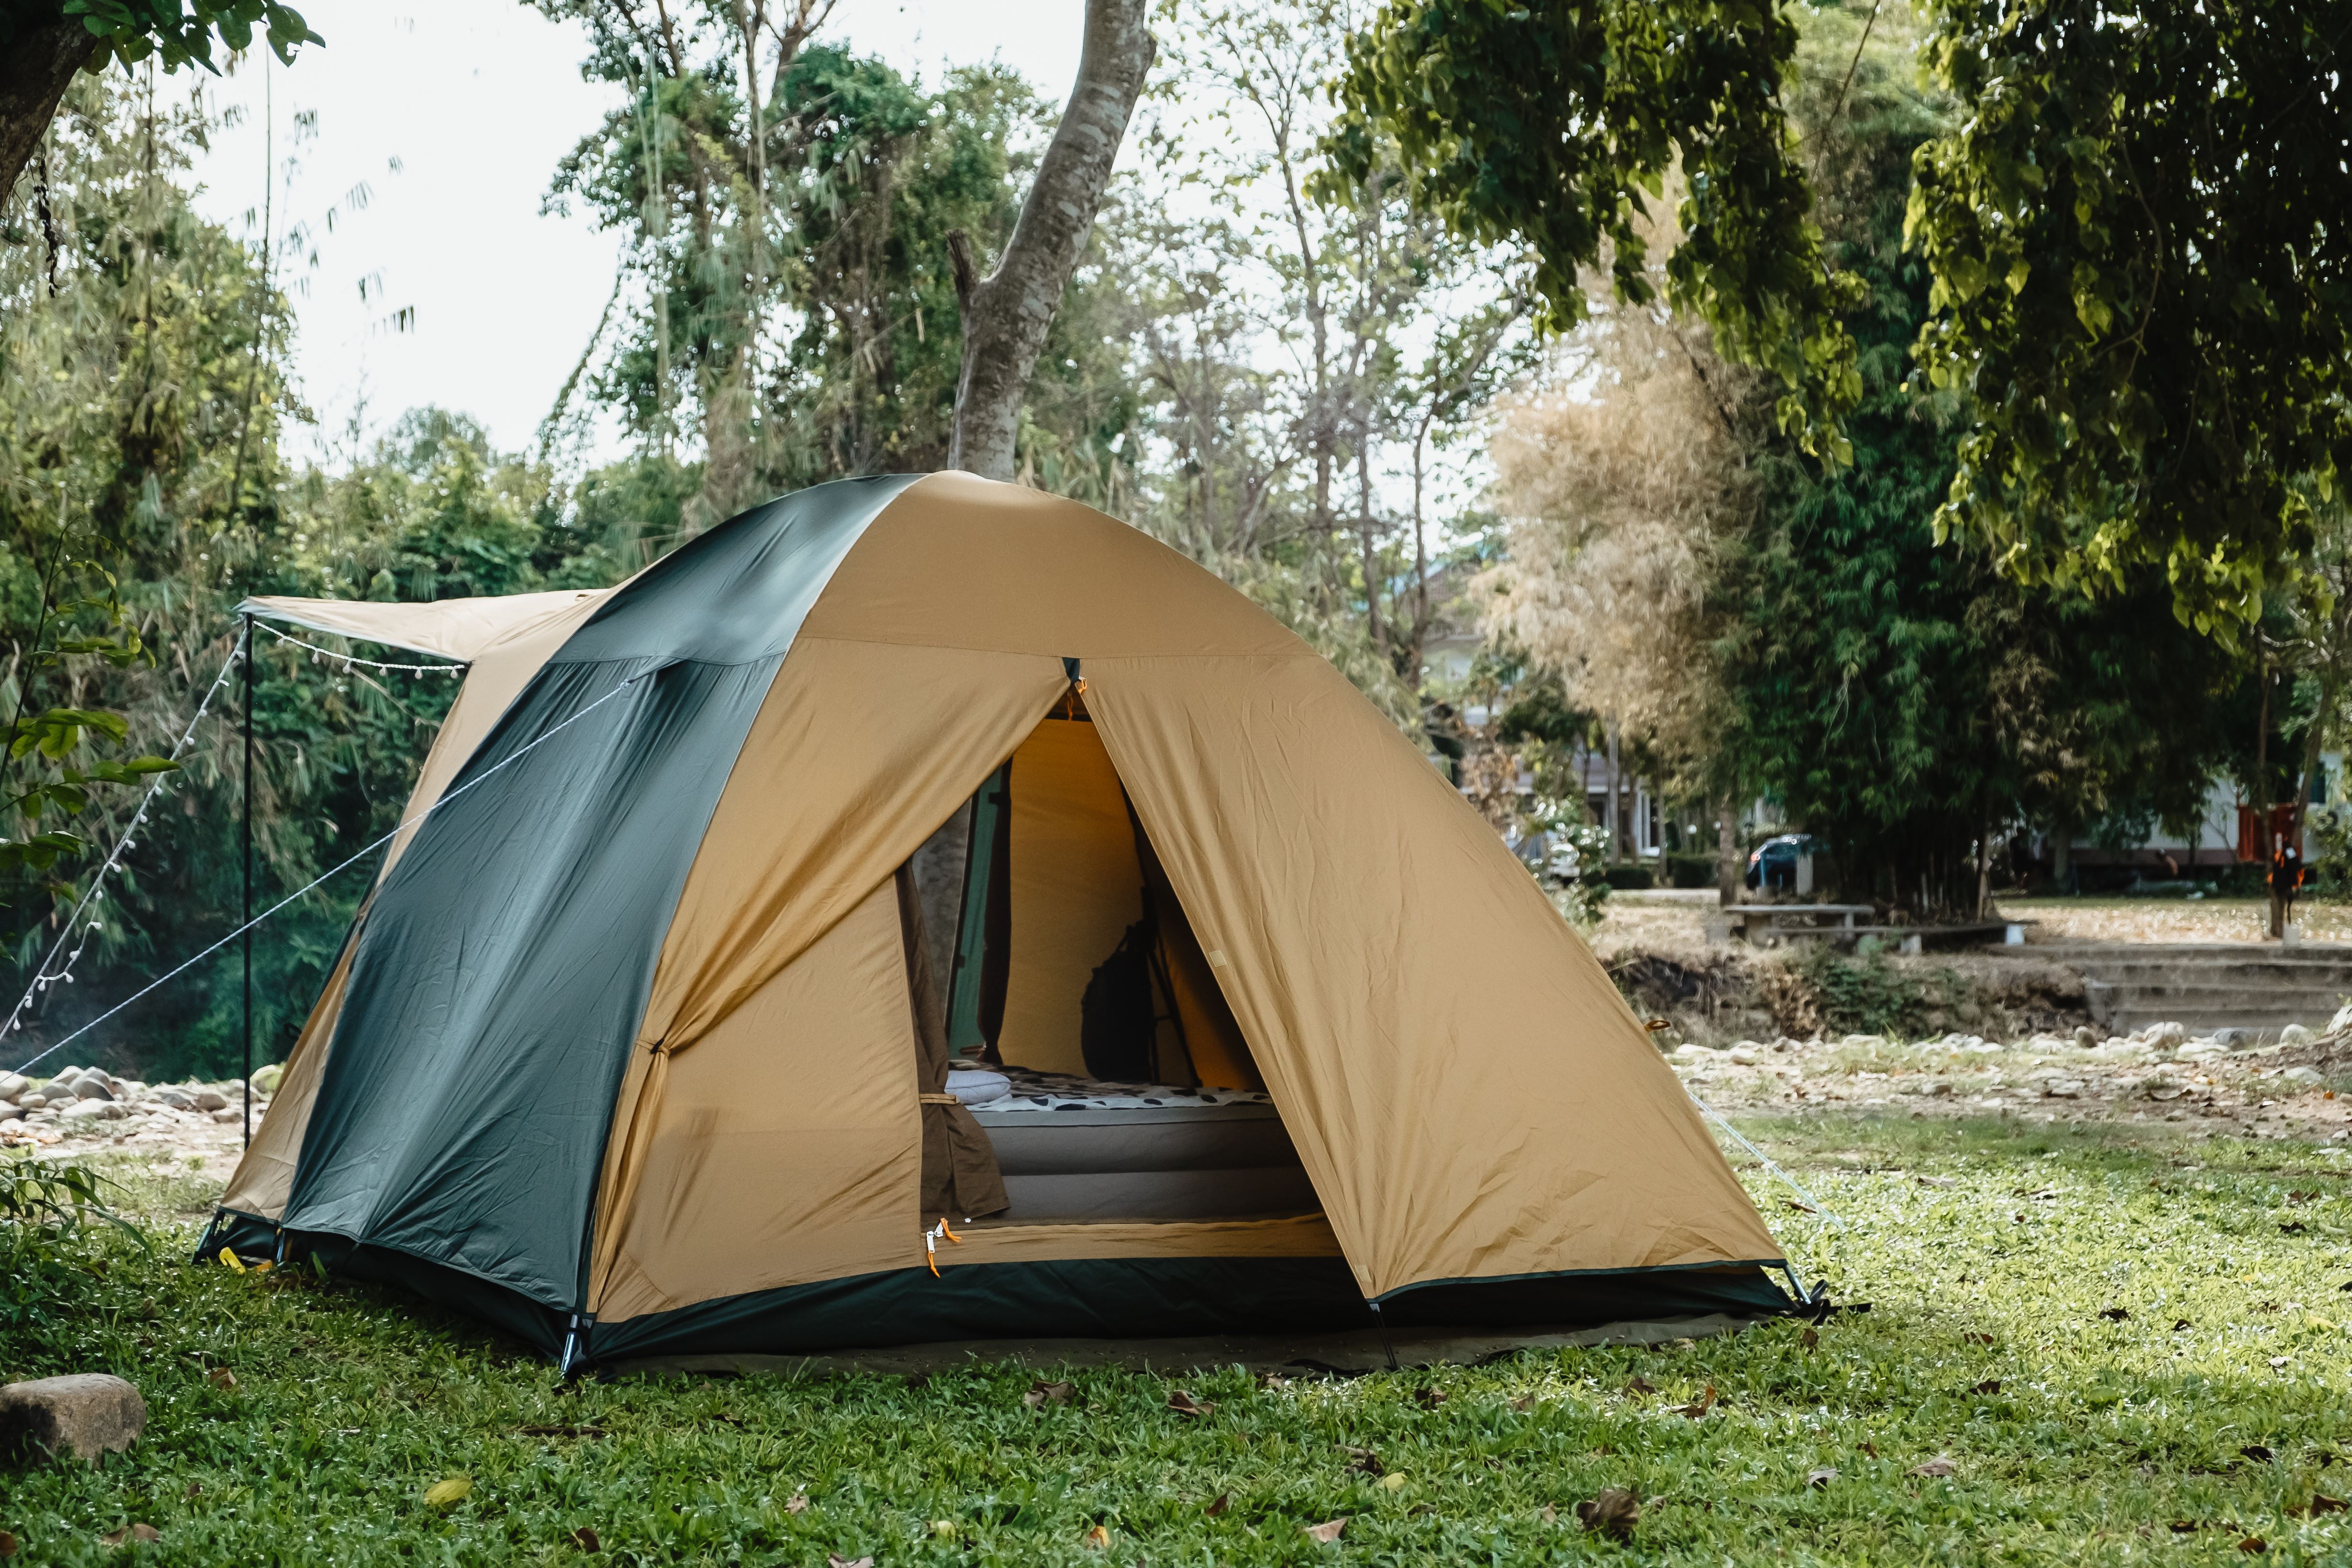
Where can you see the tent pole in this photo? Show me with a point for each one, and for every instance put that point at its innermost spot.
(247, 846)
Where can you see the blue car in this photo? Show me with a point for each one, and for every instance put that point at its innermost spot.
(1773, 863)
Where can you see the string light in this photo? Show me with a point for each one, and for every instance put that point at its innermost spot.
(45, 976)
(50, 971)
(300, 893)
(344, 661)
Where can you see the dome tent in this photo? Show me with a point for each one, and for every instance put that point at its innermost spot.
(636, 1047)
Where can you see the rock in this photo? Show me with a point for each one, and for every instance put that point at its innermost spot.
(86, 1416)
(228, 1115)
(11, 1112)
(1937, 1090)
(178, 1100)
(2086, 1036)
(2233, 1039)
(111, 1111)
(265, 1081)
(2063, 1089)
(2300, 1074)
(2296, 1034)
(85, 1109)
(35, 1102)
(208, 1100)
(93, 1086)
(130, 1089)
(15, 1085)
(1746, 1057)
(2164, 1037)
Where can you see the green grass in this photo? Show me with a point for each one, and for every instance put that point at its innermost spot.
(350, 1403)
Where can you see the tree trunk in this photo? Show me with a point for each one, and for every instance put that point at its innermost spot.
(2262, 782)
(1006, 314)
(1727, 851)
(35, 71)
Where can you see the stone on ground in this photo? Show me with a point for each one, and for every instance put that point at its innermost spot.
(85, 1415)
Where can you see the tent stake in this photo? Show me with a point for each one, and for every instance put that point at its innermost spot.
(1386, 1343)
(247, 847)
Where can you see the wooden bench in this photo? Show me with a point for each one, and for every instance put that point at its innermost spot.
(1768, 925)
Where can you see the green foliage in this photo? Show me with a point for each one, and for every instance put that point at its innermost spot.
(2142, 286)
(181, 32)
(44, 1208)
(1553, 126)
(1868, 995)
(1901, 697)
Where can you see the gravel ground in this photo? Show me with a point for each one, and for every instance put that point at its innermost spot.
(2301, 1087)
(84, 1112)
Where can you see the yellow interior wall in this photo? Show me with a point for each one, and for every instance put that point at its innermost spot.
(1076, 887)
(1076, 890)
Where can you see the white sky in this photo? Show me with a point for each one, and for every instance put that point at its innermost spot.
(475, 101)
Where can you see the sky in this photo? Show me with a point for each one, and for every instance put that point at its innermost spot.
(414, 148)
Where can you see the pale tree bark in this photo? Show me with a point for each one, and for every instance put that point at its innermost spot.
(34, 70)
(1006, 313)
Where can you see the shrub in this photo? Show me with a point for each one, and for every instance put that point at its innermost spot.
(45, 1208)
(1630, 878)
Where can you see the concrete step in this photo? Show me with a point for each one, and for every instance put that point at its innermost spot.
(2203, 1006)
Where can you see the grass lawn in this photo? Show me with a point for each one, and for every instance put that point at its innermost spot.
(1991, 1252)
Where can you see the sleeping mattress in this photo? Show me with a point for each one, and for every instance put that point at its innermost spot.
(1075, 1148)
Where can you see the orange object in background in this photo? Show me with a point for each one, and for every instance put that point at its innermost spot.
(2250, 838)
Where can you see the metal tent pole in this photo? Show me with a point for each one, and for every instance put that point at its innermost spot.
(247, 846)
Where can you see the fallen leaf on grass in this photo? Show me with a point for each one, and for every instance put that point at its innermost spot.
(1820, 1478)
(450, 1492)
(1325, 1533)
(2117, 1314)
(560, 1431)
(222, 1379)
(917, 1379)
(141, 1532)
(1393, 1481)
(2293, 1228)
(195, 1488)
(1548, 1513)
(1614, 1512)
(7, 1543)
(1429, 1398)
(1810, 1338)
(1272, 1380)
(2254, 1544)
(1216, 1509)
(1936, 1468)
(1990, 1386)
(1184, 1404)
(2258, 1453)
(2185, 1526)
(1364, 1459)
(1697, 1409)
(585, 1539)
(1974, 1339)
(834, 1560)
(2321, 1504)
(1641, 1384)
(943, 1528)
(1044, 1393)
(1868, 1448)
(2180, 1323)
(796, 1503)
(1523, 1402)
(1096, 1537)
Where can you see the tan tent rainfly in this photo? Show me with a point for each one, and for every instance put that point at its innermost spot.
(643, 1042)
